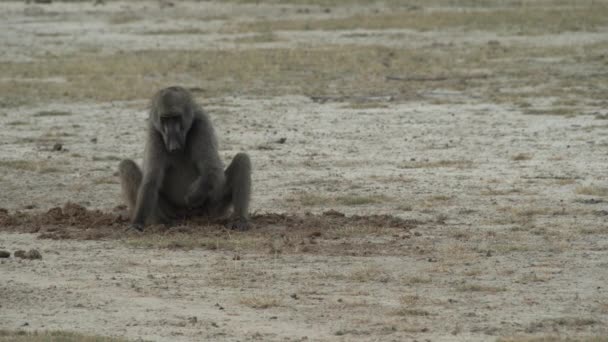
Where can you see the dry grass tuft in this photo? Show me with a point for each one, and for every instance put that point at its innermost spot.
(172, 32)
(563, 182)
(501, 192)
(312, 200)
(265, 37)
(40, 166)
(106, 180)
(521, 20)
(553, 338)
(563, 322)
(17, 123)
(106, 158)
(410, 312)
(591, 190)
(521, 157)
(52, 336)
(361, 200)
(417, 280)
(52, 113)
(561, 111)
(261, 301)
(124, 18)
(369, 274)
(458, 164)
(480, 288)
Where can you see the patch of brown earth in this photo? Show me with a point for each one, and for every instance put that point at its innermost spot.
(282, 232)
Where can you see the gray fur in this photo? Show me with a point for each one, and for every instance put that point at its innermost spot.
(183, 174)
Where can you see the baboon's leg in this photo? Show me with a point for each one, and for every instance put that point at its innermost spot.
(130, 180)
(237, 190)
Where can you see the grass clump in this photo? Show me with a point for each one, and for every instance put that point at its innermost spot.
(559, 111)
(52, 113)
(369, 274)
(260, 301)
(592, 190)
(552, 338)
(480, 288)
(458, 164)
(354, 200)
(313, 200)
(52, 336)
(521, 157)
(17, 123)
(264, 37)
(520, 20)
(29, 165)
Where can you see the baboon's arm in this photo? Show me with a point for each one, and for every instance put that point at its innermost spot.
(153, 173)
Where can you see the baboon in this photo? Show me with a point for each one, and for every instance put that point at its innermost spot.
(183, 174)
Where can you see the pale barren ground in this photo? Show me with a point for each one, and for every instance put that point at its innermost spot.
(485, 123)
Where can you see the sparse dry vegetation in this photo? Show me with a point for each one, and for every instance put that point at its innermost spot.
(592, 190)
(527, 20)
(357, 71)
(52, 113)
(108, 158)
(501, 192)
(569, 112)
(17, 123)
(261, 301)
(41, 166)
(106, 180)
(467, 287)
(521, 157)
(410, 312)
(553, 338)
(308, 199)
(459, 164)
(52, 336)
(124, 18)
(265, 37)
(173, 32)
(414, 162)
(367, 274)
(361, 200)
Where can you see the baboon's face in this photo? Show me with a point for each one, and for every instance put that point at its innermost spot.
(172, 117)
(173, 130)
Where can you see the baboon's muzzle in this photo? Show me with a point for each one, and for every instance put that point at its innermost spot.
(173, 137)
(173, 144)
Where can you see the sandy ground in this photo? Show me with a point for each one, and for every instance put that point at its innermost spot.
(512, 234)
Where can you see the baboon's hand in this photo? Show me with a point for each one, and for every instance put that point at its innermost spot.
(189, 199)
(193, 199)
(239, 223)
(137, 226)
(197, 194)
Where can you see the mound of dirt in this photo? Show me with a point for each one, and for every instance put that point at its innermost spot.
(73, 221)
(70, 214)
